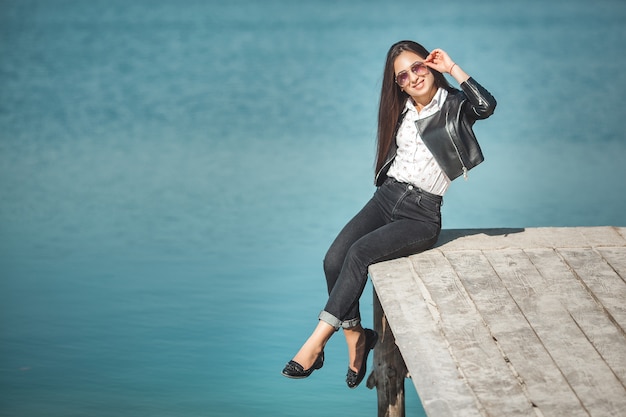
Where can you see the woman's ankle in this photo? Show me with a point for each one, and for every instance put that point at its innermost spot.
(314, 345)
(307, 355)
(355, 339)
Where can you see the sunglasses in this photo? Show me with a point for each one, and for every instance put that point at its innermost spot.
(418, 68)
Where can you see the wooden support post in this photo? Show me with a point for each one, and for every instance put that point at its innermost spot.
(389, 368)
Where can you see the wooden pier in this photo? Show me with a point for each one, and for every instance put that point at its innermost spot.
(505, 323)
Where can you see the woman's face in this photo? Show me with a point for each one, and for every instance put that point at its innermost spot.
(415, 80)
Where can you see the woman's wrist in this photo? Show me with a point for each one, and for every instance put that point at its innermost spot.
(459, 75)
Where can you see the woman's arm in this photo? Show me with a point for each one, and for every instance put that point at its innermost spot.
(481, 103)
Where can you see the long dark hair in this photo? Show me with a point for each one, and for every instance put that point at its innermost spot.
(392, 98)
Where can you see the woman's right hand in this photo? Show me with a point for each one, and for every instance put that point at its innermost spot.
(439, 60)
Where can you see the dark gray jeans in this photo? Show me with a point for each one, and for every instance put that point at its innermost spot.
(399, 220)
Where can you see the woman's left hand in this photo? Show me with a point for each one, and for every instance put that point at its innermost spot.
(439, 60)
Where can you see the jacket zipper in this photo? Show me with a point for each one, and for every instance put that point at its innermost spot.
(458, 154)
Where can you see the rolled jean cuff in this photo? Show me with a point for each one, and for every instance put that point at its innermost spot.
(336, 323)
(330, 319)
(348, 324)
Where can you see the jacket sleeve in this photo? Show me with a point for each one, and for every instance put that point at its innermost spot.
(480, 103)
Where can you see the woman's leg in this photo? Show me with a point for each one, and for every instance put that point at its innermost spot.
(370, 218)
(398, 221)
(397, 239)
(366, 220)
(355, 339)
(394, 223)
(394, 240)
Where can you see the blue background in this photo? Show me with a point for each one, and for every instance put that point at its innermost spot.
(172, 172)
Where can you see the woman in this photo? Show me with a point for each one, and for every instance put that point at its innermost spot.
(425, 140)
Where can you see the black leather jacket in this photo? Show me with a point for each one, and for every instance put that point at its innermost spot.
(448, 133)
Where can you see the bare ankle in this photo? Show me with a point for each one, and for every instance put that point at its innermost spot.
(355, 339)
(306, 357)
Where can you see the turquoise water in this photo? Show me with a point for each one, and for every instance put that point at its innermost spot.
(172, 173)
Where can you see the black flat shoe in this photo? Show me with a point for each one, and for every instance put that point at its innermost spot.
(353, 379)
(294, 370)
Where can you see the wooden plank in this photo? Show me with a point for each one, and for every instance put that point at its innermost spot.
(590, 316)
(473, 347)
(501, 300)
(616, 257)
(540, 237)
(595, 237)
(606, 286)
(415, 325)
(561, 335)
(513, 322)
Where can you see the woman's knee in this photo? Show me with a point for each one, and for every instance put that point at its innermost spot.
(332, 265)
